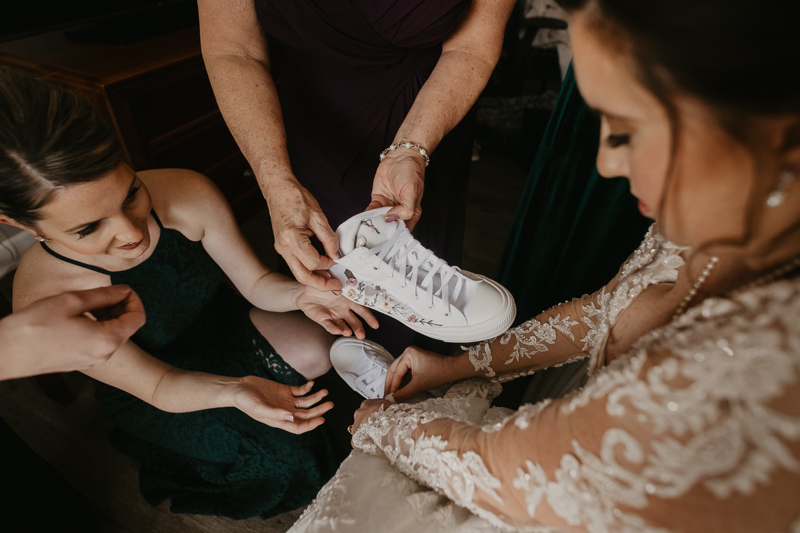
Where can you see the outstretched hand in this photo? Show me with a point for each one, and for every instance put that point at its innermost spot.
(296, 216)
(400, 182)
(281, 406)
(417, 371)
(337, 314)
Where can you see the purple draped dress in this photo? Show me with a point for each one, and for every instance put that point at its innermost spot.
(349, 73)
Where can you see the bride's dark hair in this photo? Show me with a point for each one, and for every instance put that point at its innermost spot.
(739, 57)
(49, 138)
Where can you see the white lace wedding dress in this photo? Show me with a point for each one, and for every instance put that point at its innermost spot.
(696, 428)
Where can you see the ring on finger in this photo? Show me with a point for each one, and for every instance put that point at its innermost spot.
(296, 404)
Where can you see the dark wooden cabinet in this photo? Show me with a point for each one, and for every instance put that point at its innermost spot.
(157, 95)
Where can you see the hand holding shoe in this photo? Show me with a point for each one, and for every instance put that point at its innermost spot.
(335, 313)
(417, 371)
(399, 183)
(296, 216)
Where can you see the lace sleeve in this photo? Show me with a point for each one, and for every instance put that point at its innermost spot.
(696, 429)
(561, 335)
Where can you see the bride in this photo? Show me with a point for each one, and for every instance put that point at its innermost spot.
(690, 419)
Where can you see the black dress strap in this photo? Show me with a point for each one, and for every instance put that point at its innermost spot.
(158, 220)
(92, 267)
(74, 262)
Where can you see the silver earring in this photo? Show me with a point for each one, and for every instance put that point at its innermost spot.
(40, 239)
(778, 196)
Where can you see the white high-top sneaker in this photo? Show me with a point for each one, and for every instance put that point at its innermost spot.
(386, 269)
(362, 364)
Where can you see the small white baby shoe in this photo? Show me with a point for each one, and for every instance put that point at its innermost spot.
(362, 364)
(384, 268)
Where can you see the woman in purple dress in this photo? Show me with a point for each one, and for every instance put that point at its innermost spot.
(356, 77)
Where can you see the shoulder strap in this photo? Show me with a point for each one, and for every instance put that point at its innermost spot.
(74, 262)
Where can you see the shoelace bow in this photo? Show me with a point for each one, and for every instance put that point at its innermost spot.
(369, 379)
(395, 253)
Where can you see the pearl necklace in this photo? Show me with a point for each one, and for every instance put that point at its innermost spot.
(777, 273)
(697, 284)
(767, 278)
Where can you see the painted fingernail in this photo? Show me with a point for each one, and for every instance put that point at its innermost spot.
(288, 417)
(392, 218)
(339, 254)
(390, 398)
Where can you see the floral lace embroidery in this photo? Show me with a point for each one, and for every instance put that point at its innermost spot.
(716, 431)
(536, 335)
(481, 360)
(655, 261)
(532, 334)
(706, 409)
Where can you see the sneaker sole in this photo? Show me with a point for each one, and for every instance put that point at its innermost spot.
(343, 341)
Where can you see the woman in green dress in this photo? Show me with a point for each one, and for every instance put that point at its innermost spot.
(212, 394)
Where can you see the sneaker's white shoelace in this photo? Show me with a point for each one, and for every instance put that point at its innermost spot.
(395, 253)
(373, 379)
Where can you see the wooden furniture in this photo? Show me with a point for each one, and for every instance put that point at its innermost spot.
(157, 95)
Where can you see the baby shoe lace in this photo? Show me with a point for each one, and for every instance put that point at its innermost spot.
(373, 379)
(396, 253)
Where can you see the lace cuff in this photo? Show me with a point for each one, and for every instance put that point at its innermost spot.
(427, 459)
(566, 333)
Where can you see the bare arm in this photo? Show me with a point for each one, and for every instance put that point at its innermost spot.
(55, 335)
(133, 370)
(467, 61)
(198, 208)
(237, 59)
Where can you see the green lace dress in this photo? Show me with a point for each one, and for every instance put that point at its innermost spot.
(217, 461)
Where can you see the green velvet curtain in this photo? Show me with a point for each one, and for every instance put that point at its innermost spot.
(573, 229)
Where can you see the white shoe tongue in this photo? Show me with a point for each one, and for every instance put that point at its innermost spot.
(360, 365)
(366, 232)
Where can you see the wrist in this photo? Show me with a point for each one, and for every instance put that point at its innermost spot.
(226, 390)
(297, 292)
(406, 148)
(272, 180)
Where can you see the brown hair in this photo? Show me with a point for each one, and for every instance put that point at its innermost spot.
(739, 57)
(49, 138)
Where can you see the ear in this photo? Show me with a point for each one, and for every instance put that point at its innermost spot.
(790, 147)
(11, 222)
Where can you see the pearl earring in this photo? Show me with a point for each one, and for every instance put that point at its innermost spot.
(778, 196)
(40, 239)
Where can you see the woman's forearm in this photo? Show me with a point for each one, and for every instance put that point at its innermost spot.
(467, 61)
(275, 292)
(248, 100)
(558, 335)
(447, 96)
(183, 391)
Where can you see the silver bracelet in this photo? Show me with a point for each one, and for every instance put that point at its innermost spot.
(422, 151)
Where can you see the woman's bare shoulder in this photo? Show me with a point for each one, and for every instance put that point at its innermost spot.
(40, 275)
(183, 199)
